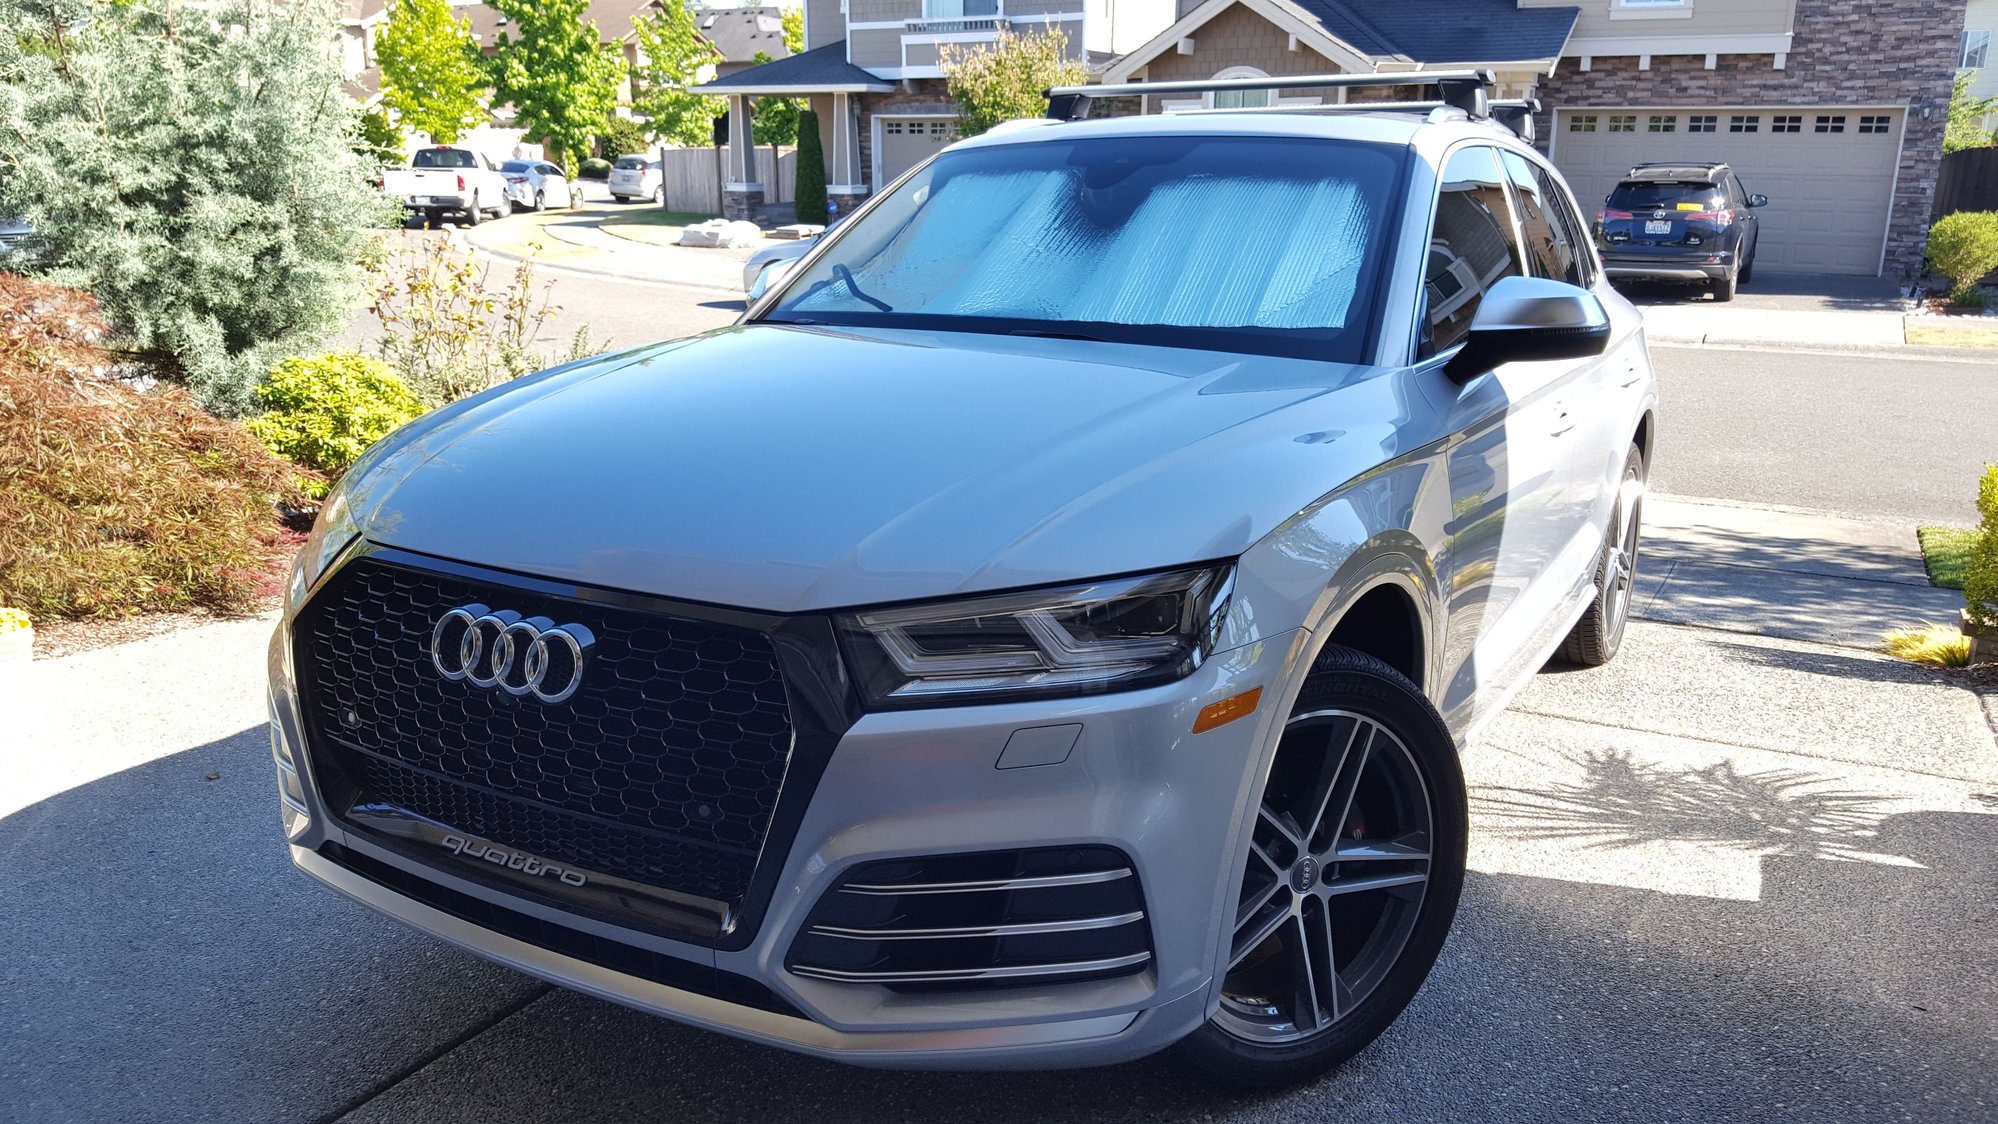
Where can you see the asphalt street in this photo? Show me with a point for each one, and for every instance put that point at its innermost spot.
(1898, 435)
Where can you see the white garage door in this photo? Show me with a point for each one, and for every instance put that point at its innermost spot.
(1828, 171)
(901, 143)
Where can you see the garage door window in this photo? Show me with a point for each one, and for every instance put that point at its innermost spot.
(1872, 124)
(1664, 125)
(1703, 123)
(1793, 123)
(1831, 124)
(1582, 124)
(1744, 124)
(1623, 124)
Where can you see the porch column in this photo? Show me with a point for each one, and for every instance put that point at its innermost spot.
(742, 191)
(846, 183)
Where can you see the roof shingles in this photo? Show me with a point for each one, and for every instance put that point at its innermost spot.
(1446, 30)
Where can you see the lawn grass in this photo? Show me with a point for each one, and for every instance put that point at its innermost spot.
(1945, 551)
(1931, 336)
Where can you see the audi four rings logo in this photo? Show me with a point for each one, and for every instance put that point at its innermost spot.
(519, 655)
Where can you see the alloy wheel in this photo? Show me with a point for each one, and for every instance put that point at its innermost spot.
(1338, 865)
(1625, 529)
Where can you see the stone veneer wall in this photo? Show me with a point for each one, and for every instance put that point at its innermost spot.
(1845, 52)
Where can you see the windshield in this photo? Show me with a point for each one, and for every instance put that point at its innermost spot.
(1657, 193)
(444, 158)
(1265, 244)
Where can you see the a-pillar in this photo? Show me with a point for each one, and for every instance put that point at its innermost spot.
(742, 191)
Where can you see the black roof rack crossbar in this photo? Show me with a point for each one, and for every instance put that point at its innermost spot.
(1468, 90)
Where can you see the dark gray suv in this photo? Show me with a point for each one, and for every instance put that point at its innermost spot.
(1681, 222)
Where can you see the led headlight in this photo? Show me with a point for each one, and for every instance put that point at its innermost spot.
(1099, 636)
(332, 533)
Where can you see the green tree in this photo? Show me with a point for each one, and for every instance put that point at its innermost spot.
(1005, 81)
(675, 54)
(378, 139)
(432, 75)
(557, 74)
(1966, 117)
(794, 30)
(621, 136)
(196, 169)
(810, 203)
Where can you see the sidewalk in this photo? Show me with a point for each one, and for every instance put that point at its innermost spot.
(1783, 572)
(575, 240)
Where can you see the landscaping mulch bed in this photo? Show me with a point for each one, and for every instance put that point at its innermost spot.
(56, 639)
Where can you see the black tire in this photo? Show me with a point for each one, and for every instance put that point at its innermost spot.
(474, 216)
(659, 195)
(540, 201)
(1724, 287)
(1244, 1044)
(1748, 270)
(1595, 638)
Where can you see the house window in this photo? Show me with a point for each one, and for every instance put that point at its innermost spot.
(1703, 123)
(1241, 99)
(1623, 124)
(1582, 124)
(1748, 124)
(1831, 124)
(1663, 125)
(1976, 48)
(1780, 123)
(1872, 124)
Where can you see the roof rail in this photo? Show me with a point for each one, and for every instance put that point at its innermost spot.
(1468, 90)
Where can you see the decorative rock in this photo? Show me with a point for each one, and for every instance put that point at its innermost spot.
(722, 233)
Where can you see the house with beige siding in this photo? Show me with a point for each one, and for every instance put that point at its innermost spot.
(1833, 108)
(872, 72)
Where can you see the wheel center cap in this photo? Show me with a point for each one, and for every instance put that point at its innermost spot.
(1304, 875)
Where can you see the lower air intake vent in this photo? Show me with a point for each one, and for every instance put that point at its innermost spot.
(998, 919)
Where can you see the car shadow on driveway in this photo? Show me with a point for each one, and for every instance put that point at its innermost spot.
(1859, 983)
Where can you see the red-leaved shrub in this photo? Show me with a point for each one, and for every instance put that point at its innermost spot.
(115, 500)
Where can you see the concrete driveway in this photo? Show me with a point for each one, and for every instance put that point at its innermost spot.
(1801, 309)
(1730, 877)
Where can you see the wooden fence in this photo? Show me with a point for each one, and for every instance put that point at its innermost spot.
(691, 183)
(1969, 182)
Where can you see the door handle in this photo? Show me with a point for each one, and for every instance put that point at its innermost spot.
(1563, 422)
(1632, 374)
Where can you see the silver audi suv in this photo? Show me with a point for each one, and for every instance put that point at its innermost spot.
(1040, 633)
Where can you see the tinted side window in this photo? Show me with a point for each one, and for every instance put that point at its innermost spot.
(1550, 243)
(1737, 198)
(1569, 228)
(1470, 246)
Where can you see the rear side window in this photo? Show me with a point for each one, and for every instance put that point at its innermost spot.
(1650, 195)
(444, 158)
(1548, 238)
(1470, 246)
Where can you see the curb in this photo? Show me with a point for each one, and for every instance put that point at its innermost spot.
(600, 271)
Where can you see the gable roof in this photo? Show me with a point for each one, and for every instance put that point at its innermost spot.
(821, 70)
(1364, 34)
(1447, 30)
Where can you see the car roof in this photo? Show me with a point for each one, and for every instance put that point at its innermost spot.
(1383, 126)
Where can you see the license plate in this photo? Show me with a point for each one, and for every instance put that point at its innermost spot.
(1658, 226)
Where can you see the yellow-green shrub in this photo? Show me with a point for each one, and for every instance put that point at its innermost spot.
(324, 412)
(1980, 575)
(1964, 248)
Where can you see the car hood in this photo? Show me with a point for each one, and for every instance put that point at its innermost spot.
(787, 468)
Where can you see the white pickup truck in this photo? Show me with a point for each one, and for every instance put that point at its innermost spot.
(445, 180)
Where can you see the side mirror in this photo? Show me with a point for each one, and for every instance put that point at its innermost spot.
(773, 273)
(1525, 319)
(1758, 200)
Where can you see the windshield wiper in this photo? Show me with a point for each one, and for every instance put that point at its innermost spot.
(845, 276)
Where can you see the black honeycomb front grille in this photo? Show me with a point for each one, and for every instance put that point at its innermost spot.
(664, 768)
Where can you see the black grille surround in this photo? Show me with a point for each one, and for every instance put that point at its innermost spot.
(995, 919)
(685, 759)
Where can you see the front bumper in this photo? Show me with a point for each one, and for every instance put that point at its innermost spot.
(919, 783)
